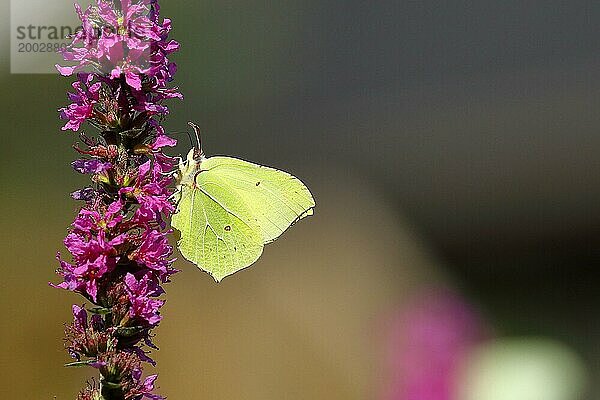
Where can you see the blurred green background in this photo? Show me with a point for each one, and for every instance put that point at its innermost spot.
(451, 144)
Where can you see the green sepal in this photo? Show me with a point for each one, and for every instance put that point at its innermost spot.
(130, 330)
(110, 385)
(100, 310)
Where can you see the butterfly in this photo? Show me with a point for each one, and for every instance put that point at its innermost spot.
(228, 209)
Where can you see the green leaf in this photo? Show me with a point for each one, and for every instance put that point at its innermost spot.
(80, 363)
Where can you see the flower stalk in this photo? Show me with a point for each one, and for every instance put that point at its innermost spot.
(119, 254)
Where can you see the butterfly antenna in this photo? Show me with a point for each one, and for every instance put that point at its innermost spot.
(198, 153)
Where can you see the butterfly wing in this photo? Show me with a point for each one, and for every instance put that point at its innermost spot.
(213, 236)
(273, 199)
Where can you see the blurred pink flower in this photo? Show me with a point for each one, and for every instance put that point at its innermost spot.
(427, 341)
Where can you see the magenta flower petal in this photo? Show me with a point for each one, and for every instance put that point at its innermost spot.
(90, 166)
(133, 80)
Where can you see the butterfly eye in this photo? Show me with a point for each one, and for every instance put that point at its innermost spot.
(227, 228)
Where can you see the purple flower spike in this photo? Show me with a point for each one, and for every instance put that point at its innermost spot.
(119, 252)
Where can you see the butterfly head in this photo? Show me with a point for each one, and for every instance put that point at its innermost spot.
(191, 166)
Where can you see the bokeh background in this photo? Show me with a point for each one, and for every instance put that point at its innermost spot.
(449, 145)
